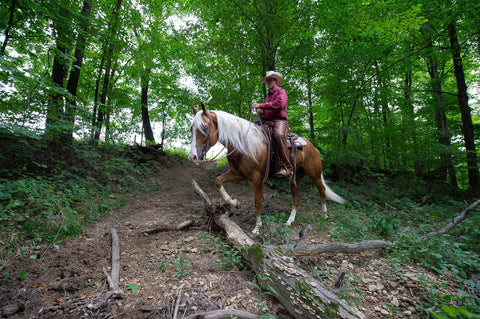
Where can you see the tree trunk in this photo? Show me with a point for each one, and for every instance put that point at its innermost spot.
(110, 46)
(9, 26)
(108, 109)
(440, 116)
(310, 102)
(95, 98)
(147, 127)
(409, 112)
(72, 84)
(467, 125)
(55, 109)
(164, 128)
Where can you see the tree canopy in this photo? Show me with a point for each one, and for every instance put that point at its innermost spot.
(375, 85)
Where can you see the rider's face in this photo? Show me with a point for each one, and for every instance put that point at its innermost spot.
(271, 83)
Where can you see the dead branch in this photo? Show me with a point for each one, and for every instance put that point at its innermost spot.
(454, 222)
(341, 277)
(177, 304)
(201, 193)
(115, 260)
(341, 247)
(303, 249)
(109, 279)
(163, 228)
(224, 314)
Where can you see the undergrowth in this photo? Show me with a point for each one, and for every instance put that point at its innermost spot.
(400, 210)
(56, 196)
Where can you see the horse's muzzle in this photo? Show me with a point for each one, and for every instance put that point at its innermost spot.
(196, 159)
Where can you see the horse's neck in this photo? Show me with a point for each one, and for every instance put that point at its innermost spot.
(235, 132)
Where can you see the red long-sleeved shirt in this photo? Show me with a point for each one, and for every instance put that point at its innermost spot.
(275, 105)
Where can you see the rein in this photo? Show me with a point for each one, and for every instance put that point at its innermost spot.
(215, 159)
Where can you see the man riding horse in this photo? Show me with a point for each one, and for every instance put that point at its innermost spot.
(274, 110)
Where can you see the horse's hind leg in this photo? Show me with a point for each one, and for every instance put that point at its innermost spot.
(319, 182)
(294, 190)
(229, 176)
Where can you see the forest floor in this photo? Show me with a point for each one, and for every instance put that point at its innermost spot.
(179, 269)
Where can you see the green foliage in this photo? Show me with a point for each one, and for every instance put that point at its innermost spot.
(23, 274)
(163, 265)
(266, 280)
(181, 265)
(274, 230)
(132, 287)
(230, 257)
(54, 199)
(402, 210)
(456, 313)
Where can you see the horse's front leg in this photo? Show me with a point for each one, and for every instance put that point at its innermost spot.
(229, 176)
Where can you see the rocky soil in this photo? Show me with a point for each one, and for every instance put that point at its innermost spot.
(179, 270)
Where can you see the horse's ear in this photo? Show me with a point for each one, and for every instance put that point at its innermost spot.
(204, 109)
(194, 109)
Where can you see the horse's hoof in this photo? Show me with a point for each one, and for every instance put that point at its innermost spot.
(236, 204)
(325, 216)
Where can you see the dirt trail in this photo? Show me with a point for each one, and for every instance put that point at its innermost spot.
(69, 282)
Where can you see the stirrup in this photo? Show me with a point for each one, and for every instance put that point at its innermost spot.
(283, 172)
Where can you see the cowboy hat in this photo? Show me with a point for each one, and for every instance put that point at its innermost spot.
(275, 75)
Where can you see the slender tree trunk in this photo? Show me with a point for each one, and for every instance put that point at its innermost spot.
(108, 109)
(55, 108)
(310, 102)
(112, 32)
(467, 125)
(72, 84)
(9, 27)
(95, 99)
(147, 127)
(440, 116)
(164, 128)
(103, 103)
(410, 121)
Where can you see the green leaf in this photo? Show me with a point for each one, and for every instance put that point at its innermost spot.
(132, 287)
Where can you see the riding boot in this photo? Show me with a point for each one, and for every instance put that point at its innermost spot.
(280, 132)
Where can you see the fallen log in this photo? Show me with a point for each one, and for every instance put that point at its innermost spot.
(224, 314)
(115, 261)
(303, 296)
(454, 222)
(163, 228)
(302, 249)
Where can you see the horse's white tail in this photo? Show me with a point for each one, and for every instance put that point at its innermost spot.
(331, 194)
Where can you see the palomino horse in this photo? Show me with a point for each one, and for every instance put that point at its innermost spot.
(247, 158)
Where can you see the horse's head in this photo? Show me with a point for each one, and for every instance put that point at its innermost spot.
(204, 134)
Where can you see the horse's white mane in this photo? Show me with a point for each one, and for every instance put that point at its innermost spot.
(243, 135)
